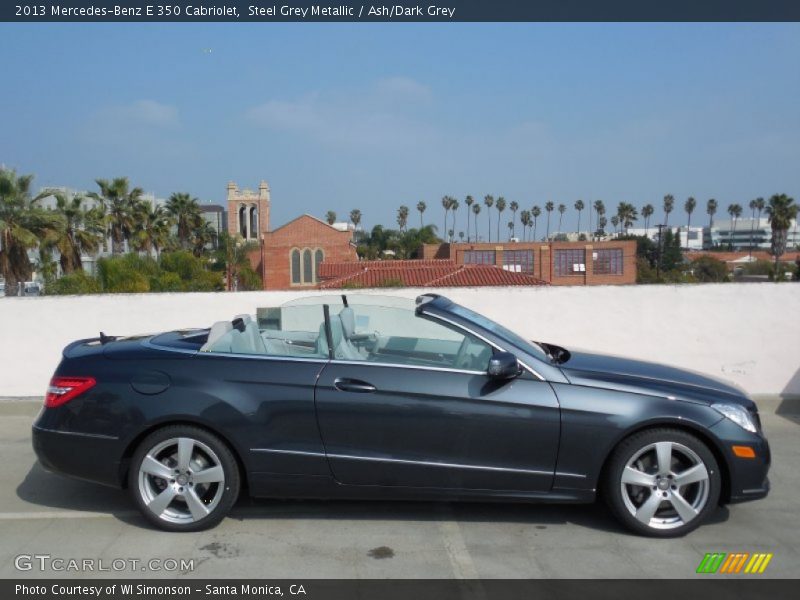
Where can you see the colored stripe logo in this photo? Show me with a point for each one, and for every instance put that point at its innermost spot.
(734, 563)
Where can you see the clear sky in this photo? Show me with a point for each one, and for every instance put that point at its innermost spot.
(373, 116)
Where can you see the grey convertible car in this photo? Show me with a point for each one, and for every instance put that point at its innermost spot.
(387, 398)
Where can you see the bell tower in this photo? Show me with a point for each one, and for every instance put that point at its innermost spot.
(248, 211)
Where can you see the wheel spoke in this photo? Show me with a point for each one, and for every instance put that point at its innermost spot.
(646, 511)
(185, 450)
(210, 475)
(196, 506)
(633, 476)
(664, 457)
(691, 475)
(160, 503)
(682, 507)
(152, 466)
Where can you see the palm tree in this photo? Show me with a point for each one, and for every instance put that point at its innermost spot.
(601, 223)
(421, 206)
(669, 204)
(355, 217)
(711, 210)
(600, 209)
(184, 210)
(513, 207)
(80, 231)
(23, 222)
(689, 207)
(535, 212)
(461, 233)
(626, 215)
(760, 204)
(510, 229)
(579, 206)
(647, 212)
(402, 217)
(153, 224)
(446, 204)
(501, 206)
(453, 209)
(488, 200)
(561, 210)
(476, 210)
(469, 200)
(525, 219)
(330, 217)
(615, 222)
(780, 212)
(735, 211)
(233, 254)
(119, 203)
(203, 235)
(548, 207)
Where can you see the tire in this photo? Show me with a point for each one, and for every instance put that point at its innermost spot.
(184, 478)
(656, 500)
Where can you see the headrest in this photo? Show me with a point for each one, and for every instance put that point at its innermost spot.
(217, 330)
(348, 318)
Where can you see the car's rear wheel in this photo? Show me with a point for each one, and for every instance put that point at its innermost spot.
(184, 478)
(662, 482)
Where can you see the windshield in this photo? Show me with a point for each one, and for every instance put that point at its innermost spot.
(530, 347)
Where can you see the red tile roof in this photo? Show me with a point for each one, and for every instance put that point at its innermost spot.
(419, 273)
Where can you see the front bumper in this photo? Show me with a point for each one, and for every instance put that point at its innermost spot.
(748, 476)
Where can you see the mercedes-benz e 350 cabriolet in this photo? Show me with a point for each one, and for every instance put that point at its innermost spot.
(371, 397)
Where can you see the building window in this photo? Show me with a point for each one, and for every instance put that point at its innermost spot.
(319, 256)
(308, 267)
(253, 222)
(519, 261)
(570, 261)
(479, 257)
(243, 221)
(608, 261)
(295, 266)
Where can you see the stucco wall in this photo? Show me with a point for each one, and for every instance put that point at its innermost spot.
(748, 333)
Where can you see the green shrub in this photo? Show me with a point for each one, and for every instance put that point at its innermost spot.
(75, 283)
(707, 269)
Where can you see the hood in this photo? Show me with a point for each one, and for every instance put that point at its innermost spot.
(630, 375)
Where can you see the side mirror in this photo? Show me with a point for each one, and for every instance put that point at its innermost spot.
(503, 365)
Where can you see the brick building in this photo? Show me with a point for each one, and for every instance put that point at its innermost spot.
(557, 263)
(289, 256)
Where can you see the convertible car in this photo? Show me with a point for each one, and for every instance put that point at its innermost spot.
(372, 397)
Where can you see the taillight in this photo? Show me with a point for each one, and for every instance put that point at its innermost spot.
(64, 389)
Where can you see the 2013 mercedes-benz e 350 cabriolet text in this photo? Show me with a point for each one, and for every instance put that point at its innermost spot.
(387, 398)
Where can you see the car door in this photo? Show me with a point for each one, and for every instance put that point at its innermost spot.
(409, 403)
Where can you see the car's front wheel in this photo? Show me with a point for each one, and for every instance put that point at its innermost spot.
(184, 478)
(662, 482)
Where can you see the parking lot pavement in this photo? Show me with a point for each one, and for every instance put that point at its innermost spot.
(42, 513)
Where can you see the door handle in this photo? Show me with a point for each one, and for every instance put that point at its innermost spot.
(353, 385)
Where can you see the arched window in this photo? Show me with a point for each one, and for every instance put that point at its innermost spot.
(308, 267)
(243, 220)
(295, 266)
(319, 256)
(253, 222)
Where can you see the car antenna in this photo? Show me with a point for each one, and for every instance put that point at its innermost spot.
(104, 339)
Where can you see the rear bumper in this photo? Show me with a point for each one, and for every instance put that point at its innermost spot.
(80, 455)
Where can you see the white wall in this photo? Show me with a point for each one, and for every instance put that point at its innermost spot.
(748, 333)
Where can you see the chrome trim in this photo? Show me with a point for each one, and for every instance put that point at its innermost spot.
(76, 433)
(578, 475)
(366, 363)
(152, 346)
(439, 464)
(277, 451)
(527, 367)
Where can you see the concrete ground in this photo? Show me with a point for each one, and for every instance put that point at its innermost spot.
(42, 513)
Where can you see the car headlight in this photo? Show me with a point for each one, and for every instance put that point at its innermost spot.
(738, 415)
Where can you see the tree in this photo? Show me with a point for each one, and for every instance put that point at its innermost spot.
(535, 212)
(184, 211)
(513, 207)
(476, 210)
(469, 200)
(548, 207)
(119, 203)
(780, 212)
(233, 257)
(402, 217)
(152, 228)
(488, 200)
(669, 205)
(202, 236)
(708, 269)
(647, 212)
(689, 207)
(735, 211)
(601, 224)
(80, 231)
(447, 203)
(330, 217)
(525, 220)
(711, 210)
(421, 206)
(579, 206)
(615, 222)
(454, 209)
(627, 215)
(561, 210)
(22, 223)
(355, 217)
(501, 206)
(600, 209)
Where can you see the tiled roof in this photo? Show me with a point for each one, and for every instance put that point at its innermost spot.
(419, 273)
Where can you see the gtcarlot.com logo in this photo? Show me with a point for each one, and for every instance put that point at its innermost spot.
(734, 562)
